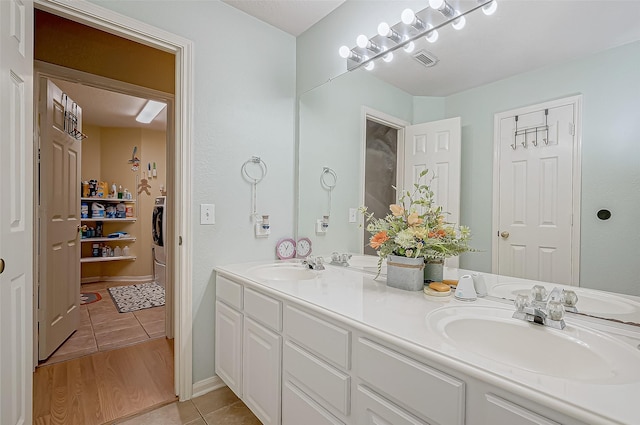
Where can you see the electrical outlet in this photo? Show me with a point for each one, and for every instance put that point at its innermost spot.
(207, 214)
(353, 215)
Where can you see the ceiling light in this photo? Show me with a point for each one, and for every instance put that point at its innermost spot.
(432, 35)
(490, 8)
(413, 26)
(150, 111)
(384, 30)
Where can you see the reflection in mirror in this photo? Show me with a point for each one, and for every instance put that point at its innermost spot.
(568, 58)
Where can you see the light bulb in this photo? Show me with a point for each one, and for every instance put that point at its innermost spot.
(409, 47)
(408, 17)
(384, 29)
(436, 4)
(490, 9)
(370, 65)
(344, 52)
(459, 23)
(432, 37)
(362, 41)
(388, 57)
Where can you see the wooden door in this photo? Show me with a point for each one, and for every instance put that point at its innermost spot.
(16, 211)
(535, 200)
(60, 161)
(436, 146)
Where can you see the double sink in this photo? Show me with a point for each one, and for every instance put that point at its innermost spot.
(488, 332)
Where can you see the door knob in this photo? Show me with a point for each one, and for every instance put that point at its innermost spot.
(504, 235)
(1, 265)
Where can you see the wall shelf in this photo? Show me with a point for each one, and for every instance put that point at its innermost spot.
(104, 259)
(121, 220)
(128, 238)
(116, 200)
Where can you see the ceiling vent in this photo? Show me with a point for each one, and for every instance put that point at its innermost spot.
(428, 59)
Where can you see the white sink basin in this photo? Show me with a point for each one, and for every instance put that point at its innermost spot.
(576, 352)
(599, 303)
(283, 271)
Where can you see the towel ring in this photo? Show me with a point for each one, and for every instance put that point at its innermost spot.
(263, 169)
(328, 178)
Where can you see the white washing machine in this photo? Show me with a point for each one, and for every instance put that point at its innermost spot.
(159, 231)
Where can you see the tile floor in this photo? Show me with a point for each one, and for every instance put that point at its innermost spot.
(103, 328)
(219, 407)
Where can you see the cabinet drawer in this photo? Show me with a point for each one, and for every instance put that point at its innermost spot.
(501, 411)
(373, 409)
(298, 408)
(324, 339)
(229, 292)
(327, 383)
(434, 395)
(263, 308)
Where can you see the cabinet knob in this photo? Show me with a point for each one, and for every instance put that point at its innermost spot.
(504, 235)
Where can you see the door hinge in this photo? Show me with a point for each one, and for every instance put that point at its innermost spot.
(572, 129)
(179, 240)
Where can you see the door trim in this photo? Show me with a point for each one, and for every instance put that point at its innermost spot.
(390, 121)
(107, 20)
(576, 101)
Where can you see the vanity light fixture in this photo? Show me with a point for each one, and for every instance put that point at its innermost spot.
(150, 111)
(413, 25)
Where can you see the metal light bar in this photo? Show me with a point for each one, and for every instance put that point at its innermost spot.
(360, 57)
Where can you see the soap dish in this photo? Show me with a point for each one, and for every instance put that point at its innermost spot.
(433, 293)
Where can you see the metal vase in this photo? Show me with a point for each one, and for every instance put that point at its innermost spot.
(433, 271)
(405, 273)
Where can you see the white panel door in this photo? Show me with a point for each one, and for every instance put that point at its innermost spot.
(436, 146)
(59, 285)
(261, 369)
(535, 195)
(16, 211)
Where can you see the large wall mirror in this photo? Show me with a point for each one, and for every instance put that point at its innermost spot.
(528, 53)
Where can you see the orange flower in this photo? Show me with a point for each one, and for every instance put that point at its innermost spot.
(413, 219)
(378, 239)
(438, 234)
(396, 210)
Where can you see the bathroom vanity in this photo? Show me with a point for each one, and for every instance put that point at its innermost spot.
(335, 346)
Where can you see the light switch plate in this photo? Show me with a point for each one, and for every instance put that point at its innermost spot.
(353, 215)
(207, 214)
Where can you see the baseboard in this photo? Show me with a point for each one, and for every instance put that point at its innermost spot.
(207, 385)
(138, 279)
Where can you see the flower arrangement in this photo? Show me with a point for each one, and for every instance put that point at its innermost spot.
(416, 228)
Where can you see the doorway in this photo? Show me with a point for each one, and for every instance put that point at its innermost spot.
(179, 173)
(121, 293)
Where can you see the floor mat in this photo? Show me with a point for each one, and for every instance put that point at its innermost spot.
(89, 297)
(137, 297)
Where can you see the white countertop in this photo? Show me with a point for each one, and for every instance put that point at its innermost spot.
(401, 318)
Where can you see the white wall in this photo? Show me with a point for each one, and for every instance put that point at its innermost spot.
(244, 105)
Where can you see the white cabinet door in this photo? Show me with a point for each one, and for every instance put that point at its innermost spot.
(262, 372)
(228, 350)
(501, 411)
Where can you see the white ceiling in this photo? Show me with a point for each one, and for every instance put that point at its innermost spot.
(292, 16)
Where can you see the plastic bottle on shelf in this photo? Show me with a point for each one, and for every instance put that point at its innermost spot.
(125, 251)
(117, 252)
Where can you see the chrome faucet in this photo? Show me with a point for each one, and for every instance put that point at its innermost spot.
(543, 309)
(340, 259)
(314, 263)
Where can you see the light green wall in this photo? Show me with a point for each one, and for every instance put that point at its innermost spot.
(610, 85)
(244, 105)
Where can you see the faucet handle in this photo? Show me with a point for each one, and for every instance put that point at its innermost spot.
(538, 293)
(570, 298)
(521, 302)
(555, 310)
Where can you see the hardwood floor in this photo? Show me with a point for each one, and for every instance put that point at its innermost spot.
(105, 386)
